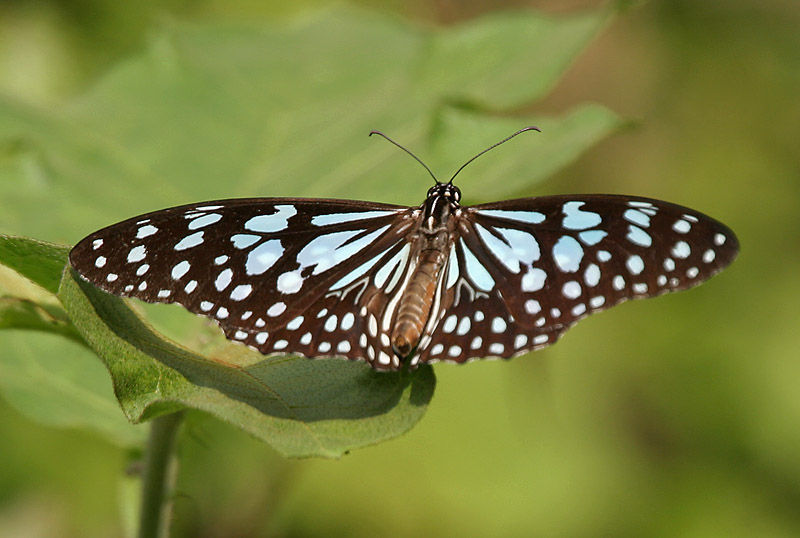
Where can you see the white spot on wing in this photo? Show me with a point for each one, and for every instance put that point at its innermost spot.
(498, 325)
(290, 282)
(449, 324)
(276, 310)
(637, 217)
(591, 237)
(681, 250)
(618, 283)
(241, 292)
(567, 253)
(242, 241)
(533, 280)
(146, 231)
(531, 217)
(204, 220)
(452, 267)
(571, 290)
(520, 340)
(576, 219)
(592, 275)
(681, 226)
(383, 273)
(638, 236)
(532, 306)
(264, 256)
(180, 269)
(331, 322)
(137, 254)
(328, 250)
(634, 264)
(272, 223)
(223, 280)
(338, 218)
(517, 246)
(295, 323)
(496, 348)
(347, 321)
(190, 241)
(477, 273)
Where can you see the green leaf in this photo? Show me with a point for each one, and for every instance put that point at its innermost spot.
(215, 111)
(30, 271)
(37, 261)
(222, 110)
(61, 383)
(301, 407)
(508, 168)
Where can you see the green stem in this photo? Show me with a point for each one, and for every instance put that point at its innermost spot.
(158, 476)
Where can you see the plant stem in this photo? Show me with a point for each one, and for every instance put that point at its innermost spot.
(158, 476)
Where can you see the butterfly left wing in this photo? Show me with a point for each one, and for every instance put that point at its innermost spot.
(301, 276)
(523, 271)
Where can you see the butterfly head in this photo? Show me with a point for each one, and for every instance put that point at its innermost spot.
(447, 192)
(443, 200)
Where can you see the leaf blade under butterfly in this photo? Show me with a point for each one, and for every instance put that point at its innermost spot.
(300, 407)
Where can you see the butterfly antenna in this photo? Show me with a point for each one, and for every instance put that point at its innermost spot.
(506, 139)
(407, 151)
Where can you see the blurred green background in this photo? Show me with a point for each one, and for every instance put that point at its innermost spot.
(673, 417)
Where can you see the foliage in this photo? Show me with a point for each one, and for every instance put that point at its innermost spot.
(214, 111)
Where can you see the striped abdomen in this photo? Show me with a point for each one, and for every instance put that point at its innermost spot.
(415, 304)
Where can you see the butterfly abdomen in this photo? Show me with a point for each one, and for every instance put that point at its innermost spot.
(415, 304)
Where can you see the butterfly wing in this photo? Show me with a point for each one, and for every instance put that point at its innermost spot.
(299, 276)
(523, 271)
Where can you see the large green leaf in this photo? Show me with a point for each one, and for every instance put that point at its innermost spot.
(212, 111)
(61, 383)
(301, 407)
(52, 380)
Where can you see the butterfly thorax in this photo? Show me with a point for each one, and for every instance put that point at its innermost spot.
(432, 240)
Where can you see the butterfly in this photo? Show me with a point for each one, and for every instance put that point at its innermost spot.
(399, 286)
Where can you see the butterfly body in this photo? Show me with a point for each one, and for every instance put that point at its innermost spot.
(431, 242)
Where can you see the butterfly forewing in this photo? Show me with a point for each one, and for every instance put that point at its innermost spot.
(523, 271)
(294, 276)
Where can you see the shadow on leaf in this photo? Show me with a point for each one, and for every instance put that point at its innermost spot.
(294, 388)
